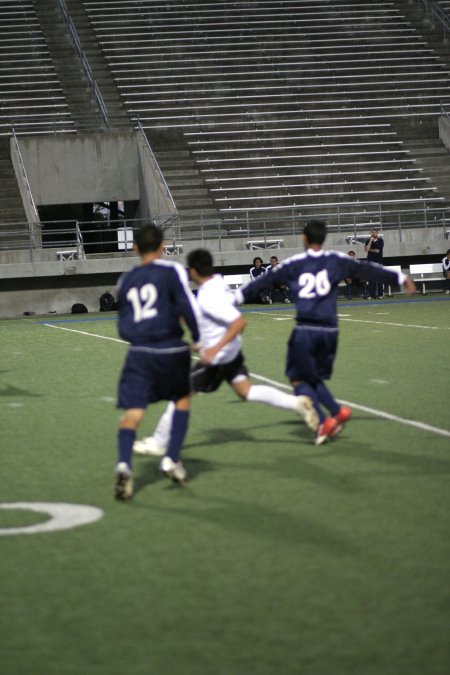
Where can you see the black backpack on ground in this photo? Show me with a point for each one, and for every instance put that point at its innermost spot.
(107, 302)
(79, 308)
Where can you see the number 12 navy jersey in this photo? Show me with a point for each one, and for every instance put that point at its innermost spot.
(313, 278)
(152, 300)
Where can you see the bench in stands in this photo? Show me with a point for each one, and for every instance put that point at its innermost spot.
(235, 280)
(425, 272)
(67, 254)
(173, 249)
(258, 244)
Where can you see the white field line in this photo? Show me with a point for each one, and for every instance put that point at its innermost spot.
(372, 411)
(402, 325)
(344, 318)
(84, 332)
(282, 385)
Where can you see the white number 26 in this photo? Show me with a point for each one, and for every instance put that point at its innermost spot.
(312, 285)
(142, 300)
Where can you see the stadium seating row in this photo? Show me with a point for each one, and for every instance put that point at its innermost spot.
(32, 97)
(279, 108)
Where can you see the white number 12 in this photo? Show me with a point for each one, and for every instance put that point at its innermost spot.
(142, 300)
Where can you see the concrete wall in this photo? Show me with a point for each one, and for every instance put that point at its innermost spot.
(86, 168)
(155, 196)
(48, 285)
(82, 168)
(53, 295)
(45, 286)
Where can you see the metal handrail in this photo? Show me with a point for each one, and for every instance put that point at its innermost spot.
(434, 11)
(80, 245)
(85, 63)
(438, 13)
(140, 129)
(24, 173)
(89, 236)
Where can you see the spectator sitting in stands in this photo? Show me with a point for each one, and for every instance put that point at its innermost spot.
(256, 271)
(278, 287)
(446, 271)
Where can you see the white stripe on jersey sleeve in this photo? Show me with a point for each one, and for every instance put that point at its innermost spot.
(184, 280)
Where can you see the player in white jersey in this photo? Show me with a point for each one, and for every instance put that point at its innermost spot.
(446, 271)
(221, 359)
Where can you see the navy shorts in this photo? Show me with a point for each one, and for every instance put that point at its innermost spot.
(151, 375)
(206, 379)
(311, 353)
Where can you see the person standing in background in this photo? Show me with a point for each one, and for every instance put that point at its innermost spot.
(374, 249)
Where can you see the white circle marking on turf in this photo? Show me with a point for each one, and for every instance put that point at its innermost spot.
(62, 516)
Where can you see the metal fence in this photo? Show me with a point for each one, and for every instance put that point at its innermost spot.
(115, 237)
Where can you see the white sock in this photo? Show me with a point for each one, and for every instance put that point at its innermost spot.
(162, 431)
(261, 393)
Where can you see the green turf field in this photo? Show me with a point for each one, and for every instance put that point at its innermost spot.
(278, 558)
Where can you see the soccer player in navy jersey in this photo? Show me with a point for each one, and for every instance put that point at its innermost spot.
(221, 325)
(312, 278)
(153, 298)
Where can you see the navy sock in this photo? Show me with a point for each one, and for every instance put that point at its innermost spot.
(177, 433)
(126, 440)
(306, 389)
(326, 398)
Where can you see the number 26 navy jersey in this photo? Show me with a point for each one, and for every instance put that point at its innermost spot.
(313, 278)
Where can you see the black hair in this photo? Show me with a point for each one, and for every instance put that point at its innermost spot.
(201, 261)
(257, 258)
(148, 239)
(448, 251)
(315, 231)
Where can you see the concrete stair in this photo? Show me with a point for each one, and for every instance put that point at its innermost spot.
(434, 158)
(13, 227)
(186, 185)
(119, 118)
(432, 33)
(68, 66)
(75, 86)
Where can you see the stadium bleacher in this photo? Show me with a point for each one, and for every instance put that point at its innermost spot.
(32, 97)
(279, 106)
(252, 108)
